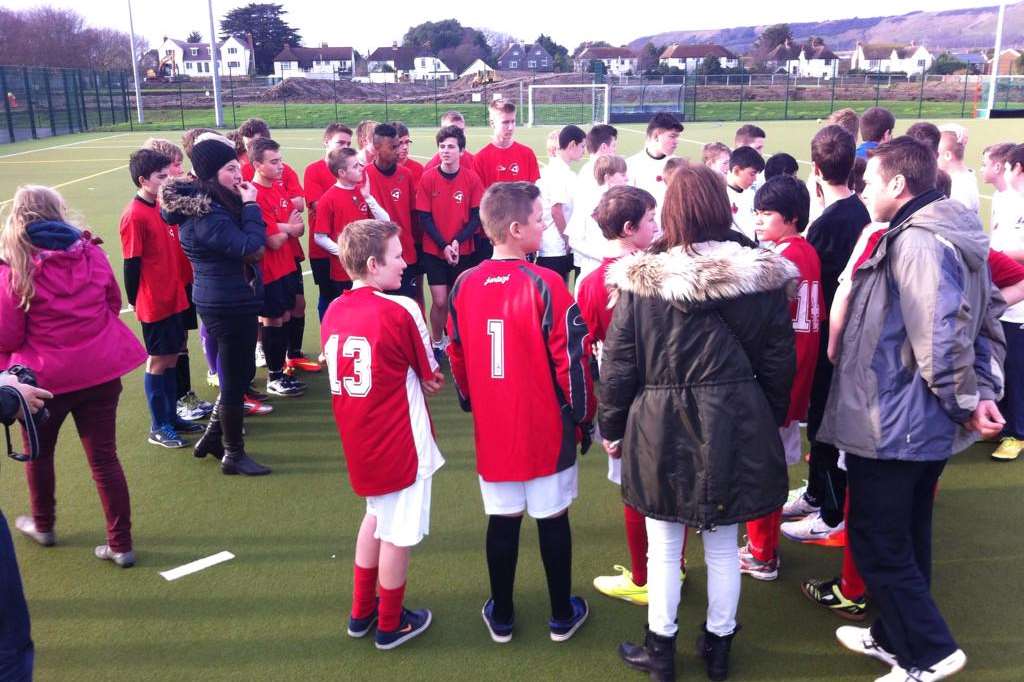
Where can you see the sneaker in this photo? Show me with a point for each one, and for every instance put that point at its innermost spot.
(302, 363)
(811, 528)
(947, 667)
(286, 387)
(859, 640)
(122, 559)
(827, 593)
(621, 586)
(1008, 450)
(358, 627)
(500, 632)
(755, 568)
(181, 426)
(438, 353)
(561, 630)
(27, 527)
(261, 359)
(799, 508)
(166, 437)
(212, 379)
(191, 408)
(252, 393)
(254, 408)
(412, 624)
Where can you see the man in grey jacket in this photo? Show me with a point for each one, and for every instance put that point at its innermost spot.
(916, 379)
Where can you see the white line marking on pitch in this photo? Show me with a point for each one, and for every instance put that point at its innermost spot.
(196, 566)
(61, 146)
(71, 182)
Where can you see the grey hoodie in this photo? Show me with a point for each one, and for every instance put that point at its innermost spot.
(922, 342)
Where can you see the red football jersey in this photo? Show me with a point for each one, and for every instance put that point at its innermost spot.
(146, 236)
(513, 164)
(396, 194)
(316, 180)
(337, 208)
(378, 349)
(592, 297)
(1005, 271)
(807, 312)
(518, 355)
(415, 168)
(276, 208)
(465, 161)
(449, 203)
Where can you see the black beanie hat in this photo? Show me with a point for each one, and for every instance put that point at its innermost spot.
(209, 156)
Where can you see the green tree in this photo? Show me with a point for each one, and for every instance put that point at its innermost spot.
(946, 64)
(435, 35)
(270, 33)
(649, 57)
(771, 37)
(194, 37)
(559, 54)
(709, 66)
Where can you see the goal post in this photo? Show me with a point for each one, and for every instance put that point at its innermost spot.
(564, 104)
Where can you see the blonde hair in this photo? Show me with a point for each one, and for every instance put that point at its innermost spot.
(165, 147)
(362, 240)
(607, 166)
(31, 204)
(364, 133)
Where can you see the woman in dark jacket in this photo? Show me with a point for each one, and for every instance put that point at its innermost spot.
(695, 381)
(223, 235)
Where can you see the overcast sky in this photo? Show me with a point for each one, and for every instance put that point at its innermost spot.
(569, 23)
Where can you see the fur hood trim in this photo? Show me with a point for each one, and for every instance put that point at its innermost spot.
(718, 271)
(182, 197)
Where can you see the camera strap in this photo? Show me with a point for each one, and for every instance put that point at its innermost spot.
(28, 425)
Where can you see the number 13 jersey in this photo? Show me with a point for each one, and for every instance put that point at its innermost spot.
(377, 350)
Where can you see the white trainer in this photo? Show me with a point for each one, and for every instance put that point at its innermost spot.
(947, 667)
(811, 528)
(859, 640)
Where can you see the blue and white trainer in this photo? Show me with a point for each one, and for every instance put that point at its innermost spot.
(500, 632)
(561, 630)
(412, 624)
(359, 627)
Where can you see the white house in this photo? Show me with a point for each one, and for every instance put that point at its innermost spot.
(428, 67)
(479, 66)
(179, 58)
(390, 64)
(810, 60)
(689, 57)
(618, 61)
(911, 59)
(314, 62)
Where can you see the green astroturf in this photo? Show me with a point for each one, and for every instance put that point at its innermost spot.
(276, 612)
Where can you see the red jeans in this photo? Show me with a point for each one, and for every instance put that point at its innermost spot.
(94, 410)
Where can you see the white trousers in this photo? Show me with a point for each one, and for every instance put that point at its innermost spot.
(664, 547)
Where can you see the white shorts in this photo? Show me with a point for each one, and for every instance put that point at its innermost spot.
(541, 498)
(403, 517)
(792, 443)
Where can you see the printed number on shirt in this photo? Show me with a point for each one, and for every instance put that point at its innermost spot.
(357, 347)
(496, 330)
(808, 310)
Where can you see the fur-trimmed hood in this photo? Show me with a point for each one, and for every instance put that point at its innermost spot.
(182, 199)
(713, 273)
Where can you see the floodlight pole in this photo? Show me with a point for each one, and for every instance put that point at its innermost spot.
(218, 107)
(135, 63)
(995, 58)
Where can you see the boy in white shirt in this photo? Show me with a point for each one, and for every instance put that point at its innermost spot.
(586, 240)
(646, 168)
(952, 144)
(992, 159)
(601, 141)
(744, 165)
(558, 189)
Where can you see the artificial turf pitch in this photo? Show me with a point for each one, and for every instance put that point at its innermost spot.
(276, 612)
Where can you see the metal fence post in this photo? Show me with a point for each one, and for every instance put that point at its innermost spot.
(920, 95)
(7, 103)
(96, 93)
(334, 85)
(832, 102)
(963, 100)
(785, 111)
(878, 89)
(386, 99)
(110, 96)
(739, 116)
(124, 98)
(28, 96)
(181, 106)
(437, 113)
(81, 99)
(284, 100)
(231, 88)
(49, 102)
(67, 100)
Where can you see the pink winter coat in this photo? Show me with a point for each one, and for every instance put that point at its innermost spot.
(72, 335)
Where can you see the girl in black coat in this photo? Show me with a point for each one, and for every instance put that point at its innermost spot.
(695, 382)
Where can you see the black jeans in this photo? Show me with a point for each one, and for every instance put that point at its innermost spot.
(826, 482)
(890, 535)
(236, 352)
(16, 652)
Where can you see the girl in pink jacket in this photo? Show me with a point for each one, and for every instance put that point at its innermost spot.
(59, 307)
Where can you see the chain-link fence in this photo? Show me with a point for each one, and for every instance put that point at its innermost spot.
(43, 102)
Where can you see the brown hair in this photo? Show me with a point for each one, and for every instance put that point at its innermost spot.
(607, 166)
(833, 150)
(236, 139)
(998, 151)
(504, 106)
(259, 147)
(505, 203)
(337, 159)
(746, 134)
(333, 129)
(188, 140)
(907, 157)
(927, 134)
(875, 123)
(165, 147)
(31, 204)
(955, 147)
(943, 182)
(452, 117)
(364, 132)
(856, 180)
(846, 119)
(621, 205)
(672, 165)
(1015, 157)
(362, 240)
(696, 209)
(251, 127)
(712, 150)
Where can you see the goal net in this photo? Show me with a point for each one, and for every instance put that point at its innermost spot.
(565, 104)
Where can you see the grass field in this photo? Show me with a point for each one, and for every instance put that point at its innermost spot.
(276, 611)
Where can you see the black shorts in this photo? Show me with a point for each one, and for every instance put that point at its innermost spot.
(560, 264)
(338, 288)
(410, 283)
(166, 336)
(440, 273)
(321, 268)
(301, 290)
(188, 315)
(279, 296)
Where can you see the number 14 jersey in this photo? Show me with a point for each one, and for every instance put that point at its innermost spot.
(377, 350)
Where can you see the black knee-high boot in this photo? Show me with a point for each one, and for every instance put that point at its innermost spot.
(235, 460)
(210, 442)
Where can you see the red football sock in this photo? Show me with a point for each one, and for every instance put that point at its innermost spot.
(763, 535)
(850, 582)
(636, 539)
(364, 591)
(389, 612)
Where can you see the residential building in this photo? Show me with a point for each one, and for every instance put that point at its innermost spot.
(688, 58)
(427, 67)
(314, 62)
(912, 59)
(520, 57)
(1008, 64)
(390, 64)
(809, 60)
(180, 58)
(618, 61)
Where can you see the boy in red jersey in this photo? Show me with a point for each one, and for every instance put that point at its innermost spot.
(281, 277)
(503, 159)
(347, 200)
(781, 208)
(380, 366)
(393, 188)
(452, 118)
(626, 217)
(152, 282)
(448, 208)
(316, 180)
(519, 354)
